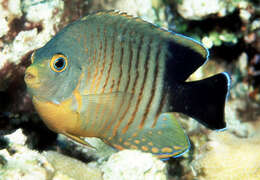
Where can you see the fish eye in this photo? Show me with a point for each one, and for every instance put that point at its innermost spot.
(58, 63)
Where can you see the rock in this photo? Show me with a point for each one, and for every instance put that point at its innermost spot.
(17, 161)
(229, 157)
(149, 10)
(28, 40)
(9, 11)
(200, 9)
(72, 168)
(24, 163)
(17, 137)
(133, 164)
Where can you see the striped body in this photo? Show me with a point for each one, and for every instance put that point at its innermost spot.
(124, 61)
(118, 78)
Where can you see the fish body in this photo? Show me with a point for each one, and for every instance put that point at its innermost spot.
(119, 78)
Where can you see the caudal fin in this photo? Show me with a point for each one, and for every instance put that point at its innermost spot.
(204, 100)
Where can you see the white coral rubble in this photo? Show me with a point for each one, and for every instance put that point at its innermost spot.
(46, 13)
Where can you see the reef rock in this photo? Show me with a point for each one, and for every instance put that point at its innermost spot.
(200, 9)
(226, 156)
(17, 161)
(25, 26)
(133, 164)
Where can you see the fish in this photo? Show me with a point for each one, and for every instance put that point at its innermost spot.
(119, 78)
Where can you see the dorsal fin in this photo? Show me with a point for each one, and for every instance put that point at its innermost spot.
(192, 44)
(184, 54)
(112, 13)
(178, 38)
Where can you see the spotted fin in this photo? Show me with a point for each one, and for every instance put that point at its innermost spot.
(167, 139)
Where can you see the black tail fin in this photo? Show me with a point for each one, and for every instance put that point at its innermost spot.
(204, 100)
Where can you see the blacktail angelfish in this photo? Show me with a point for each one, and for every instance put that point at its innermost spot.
(119, 78)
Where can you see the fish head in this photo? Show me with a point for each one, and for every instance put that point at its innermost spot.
(54, 72)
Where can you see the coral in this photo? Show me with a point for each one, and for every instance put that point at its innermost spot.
(10, 10)
(41, 20)
(132, 164)
(229, 157)
(218, 38)
(201, 9)
(197, 10)
(72, 167)
(151, 10)
(19, 162)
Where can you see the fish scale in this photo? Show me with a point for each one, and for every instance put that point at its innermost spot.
(121, 79)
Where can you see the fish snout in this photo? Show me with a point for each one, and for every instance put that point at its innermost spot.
(31, 77)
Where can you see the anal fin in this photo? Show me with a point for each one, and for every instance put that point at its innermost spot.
(166, 139)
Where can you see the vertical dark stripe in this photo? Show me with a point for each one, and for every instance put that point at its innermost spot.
(95, 76)
(91, 43)
(100, 76)
(89, 61)
(104, 62)
(133, 88)
(148, 52)
(85, 44)
(112, 86)
(155, 78)
(111, 61)
(130, 64)
(98, 59)
(137, 64)
(123, 100)
(105, 120)
(160, 107)
(129, 74)
(121, 59)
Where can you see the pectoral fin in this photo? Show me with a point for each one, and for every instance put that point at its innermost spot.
(100, 103)
(105, 98)
(99, 110)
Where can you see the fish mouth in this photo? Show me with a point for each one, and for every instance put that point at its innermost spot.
(33, 84)
(28, 77)
(31, 77)
(31, 80)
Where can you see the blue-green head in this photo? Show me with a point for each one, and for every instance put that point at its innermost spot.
(56, 67)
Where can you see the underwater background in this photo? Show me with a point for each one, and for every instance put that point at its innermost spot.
(229, 28)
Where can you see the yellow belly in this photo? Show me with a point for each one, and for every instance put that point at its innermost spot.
(59, 117)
